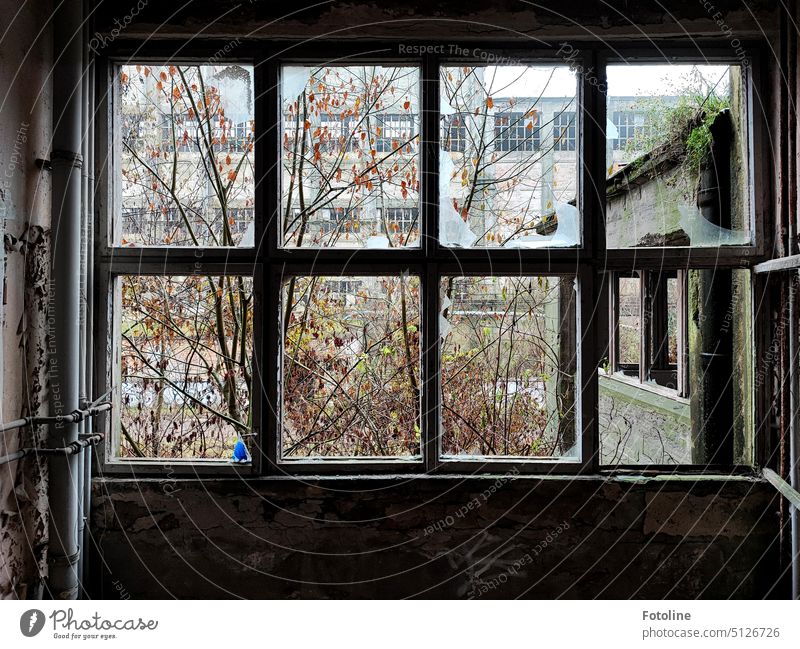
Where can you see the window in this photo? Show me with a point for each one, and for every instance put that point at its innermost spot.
(351, 367)
(502, 189)
(370, 286)
(676, 166)
(454, 133)
(351, 138)
(626, 123)
(399, 219)
(648, 314)
(508, 367)
(564, 131)
(394, 131)
(516, 132)
(675, 179)
(183, 333)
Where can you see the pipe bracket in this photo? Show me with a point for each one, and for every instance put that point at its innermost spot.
(69, 158)
(64, 559)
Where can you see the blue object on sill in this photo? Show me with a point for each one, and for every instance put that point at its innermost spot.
(240, 453)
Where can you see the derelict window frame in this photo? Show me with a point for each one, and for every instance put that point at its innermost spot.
(587, 259)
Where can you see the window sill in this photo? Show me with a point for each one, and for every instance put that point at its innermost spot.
(747, 475)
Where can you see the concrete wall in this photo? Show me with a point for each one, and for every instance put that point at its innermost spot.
(641, 426)
(25, 131)
(442, 20)
(392, 538)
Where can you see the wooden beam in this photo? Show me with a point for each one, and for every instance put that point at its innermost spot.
(792, 262)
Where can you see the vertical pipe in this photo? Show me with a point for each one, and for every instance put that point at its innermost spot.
(88, 315)
(787, 198)
(85, 388)
(64, 307)
(794, 426)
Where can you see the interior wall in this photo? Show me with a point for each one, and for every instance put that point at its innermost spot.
(501, 536)
(437, 19)
(25, 133)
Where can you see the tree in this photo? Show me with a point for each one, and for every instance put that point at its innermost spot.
(186, 341)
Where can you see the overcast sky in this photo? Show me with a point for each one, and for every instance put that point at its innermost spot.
(623, 80)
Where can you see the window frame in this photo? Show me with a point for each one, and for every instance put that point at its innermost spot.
(268, 261)
(651, 311)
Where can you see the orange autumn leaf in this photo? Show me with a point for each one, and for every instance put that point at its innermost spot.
(227, 159)
(163, 76)
(406, 104)
(489, 102)
(232, 175)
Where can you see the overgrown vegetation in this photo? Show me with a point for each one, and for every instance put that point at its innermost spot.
(686, 120)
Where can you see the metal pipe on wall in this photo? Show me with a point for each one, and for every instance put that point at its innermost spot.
(64, 306)
(82, 392)
(794, 427)
(87, 355)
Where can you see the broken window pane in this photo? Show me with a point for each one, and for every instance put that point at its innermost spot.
(185, 365)
(651, 423)
(186, 148)
(351, 367)
(350, 146)
(672, 321)
(508, 365)
(508, 165)
(676, 156)
(629, 324)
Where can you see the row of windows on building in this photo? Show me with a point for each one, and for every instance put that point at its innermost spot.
(344, 219)
(326, 220)
(181, 131)
(513, 131)
(138, 219)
